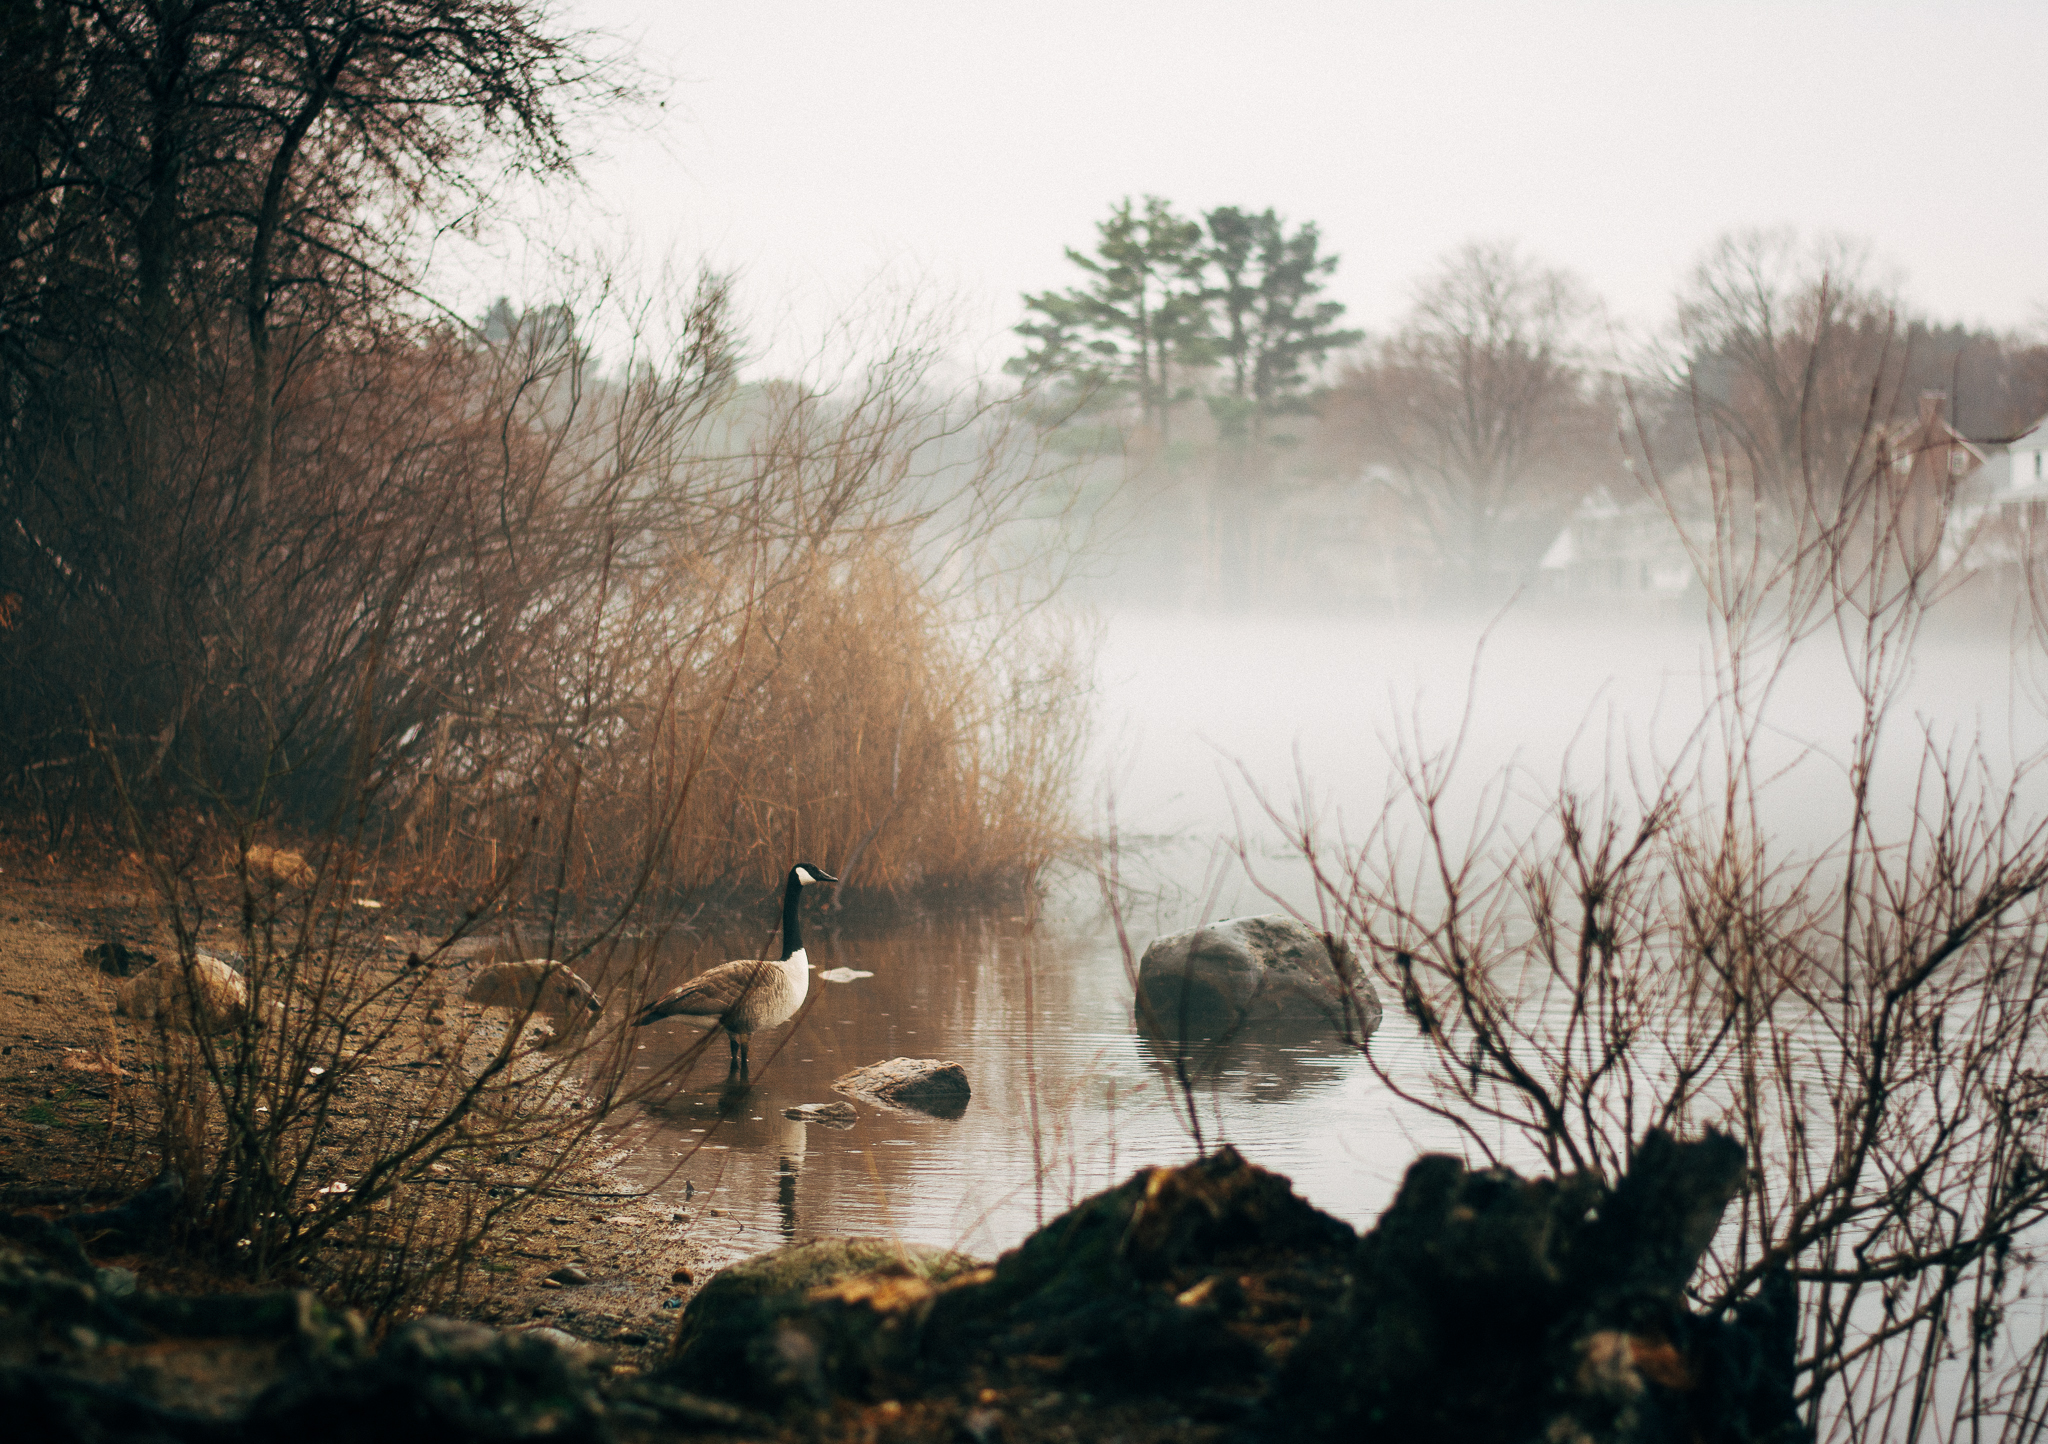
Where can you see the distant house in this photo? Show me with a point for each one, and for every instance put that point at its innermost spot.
(2000, 517)
(1957, 503)
(1612, 547)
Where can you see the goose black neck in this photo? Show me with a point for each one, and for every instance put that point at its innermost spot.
(792, 930)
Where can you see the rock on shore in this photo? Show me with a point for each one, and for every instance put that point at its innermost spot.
(1189, 1304)
(1481, 1307)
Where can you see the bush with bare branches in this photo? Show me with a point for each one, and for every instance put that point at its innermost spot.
(1863, 1018)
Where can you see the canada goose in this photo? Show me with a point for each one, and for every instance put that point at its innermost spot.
(534, 985)
(749, 993)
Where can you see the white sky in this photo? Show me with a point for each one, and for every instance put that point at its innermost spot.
(817, 147)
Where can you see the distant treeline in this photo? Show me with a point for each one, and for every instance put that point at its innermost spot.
(1449, 451)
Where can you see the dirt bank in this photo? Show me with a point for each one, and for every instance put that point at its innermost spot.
(78, 1113)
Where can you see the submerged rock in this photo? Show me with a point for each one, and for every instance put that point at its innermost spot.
(928, 1085)
(1251, 970)
(832, 1115)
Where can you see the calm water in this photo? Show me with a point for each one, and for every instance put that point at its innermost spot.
(1200, 719)
(1067, 1099)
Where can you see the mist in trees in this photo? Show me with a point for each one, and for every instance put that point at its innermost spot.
(1484, 411)
(1190, 342)
(1273, 457)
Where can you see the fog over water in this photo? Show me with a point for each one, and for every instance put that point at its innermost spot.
(1199, 716)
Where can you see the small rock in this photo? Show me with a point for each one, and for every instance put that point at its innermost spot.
(164, 991)
(569, 1276)
(929, 1085)
(562, 1339)
(736, 1338)
(832, 1115)
(550, 1283)
(278, 864)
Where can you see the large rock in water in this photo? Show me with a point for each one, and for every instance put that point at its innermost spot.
(1248, 970)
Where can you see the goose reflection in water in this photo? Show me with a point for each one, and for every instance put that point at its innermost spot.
(741, 1118)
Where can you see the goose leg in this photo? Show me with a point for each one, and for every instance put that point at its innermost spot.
(738, 1064)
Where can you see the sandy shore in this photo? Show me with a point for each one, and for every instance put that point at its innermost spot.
(72, 1133)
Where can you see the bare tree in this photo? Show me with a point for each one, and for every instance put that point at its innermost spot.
(1790, 356)
(1482, 409)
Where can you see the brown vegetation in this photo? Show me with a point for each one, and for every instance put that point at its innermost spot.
(296, 578)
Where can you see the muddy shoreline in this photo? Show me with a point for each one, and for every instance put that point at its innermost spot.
(72, 1138)
(1201, 1304)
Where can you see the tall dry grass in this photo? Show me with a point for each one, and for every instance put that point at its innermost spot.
(509, 631)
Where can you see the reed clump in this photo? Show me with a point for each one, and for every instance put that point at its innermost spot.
(307, 596)
(509, 633)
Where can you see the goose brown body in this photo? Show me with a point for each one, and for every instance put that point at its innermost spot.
(747, 994)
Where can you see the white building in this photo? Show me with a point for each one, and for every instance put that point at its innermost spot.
(2000, 515)
(1611, 546)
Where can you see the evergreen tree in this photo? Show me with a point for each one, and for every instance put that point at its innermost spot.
(1139, 325)
(1273, 327)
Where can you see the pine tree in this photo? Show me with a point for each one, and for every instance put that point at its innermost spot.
(1140, 325)
(1273, 327)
